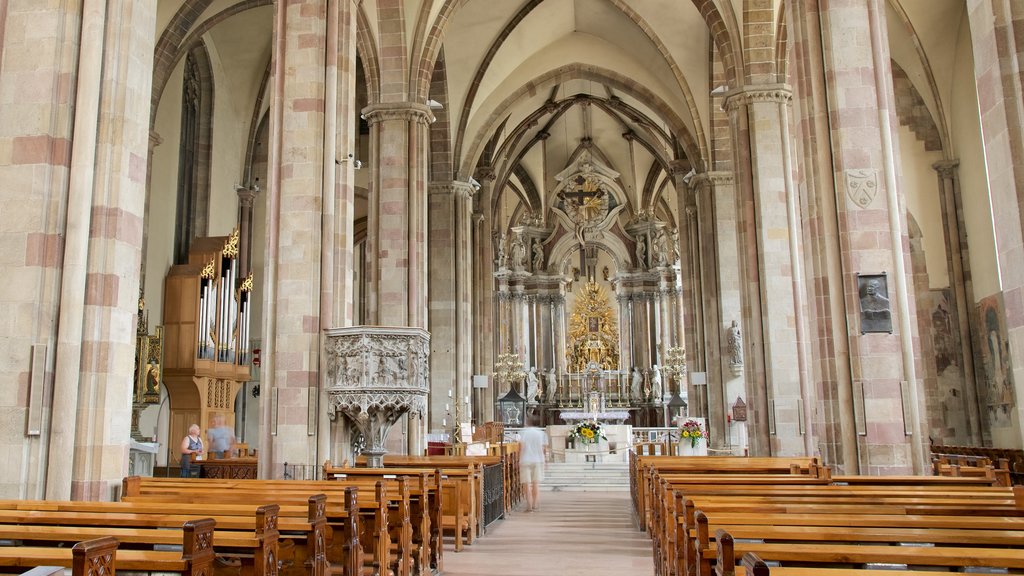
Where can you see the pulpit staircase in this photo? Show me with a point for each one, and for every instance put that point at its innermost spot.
(586, 477)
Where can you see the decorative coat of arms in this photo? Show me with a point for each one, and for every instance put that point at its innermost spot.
(862, 186)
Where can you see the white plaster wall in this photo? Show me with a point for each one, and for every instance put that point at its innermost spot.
(163, 195)
(230, 129)
(920, 187)
(965, 128)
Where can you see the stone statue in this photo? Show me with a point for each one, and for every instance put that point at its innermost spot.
(538, 256)
(531, 385)
(660, 250)
(499, 247)
(656, 389)
(518, 253)
(636, 390)
(551, 384)
(734, 347)
(673, 238)
(641, 253)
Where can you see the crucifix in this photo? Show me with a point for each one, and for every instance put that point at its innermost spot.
(586, 202)
(586, 196)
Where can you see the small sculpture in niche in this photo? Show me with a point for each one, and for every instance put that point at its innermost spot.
(538, 256)
(552, 385)
(499, 247)
(656, 389)
(660, 250)
(734, 348)
(641, 253)
(636, 389)
(518, 253)
(531, 385)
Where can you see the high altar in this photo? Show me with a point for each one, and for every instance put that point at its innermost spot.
(556, 275)
(614, 449)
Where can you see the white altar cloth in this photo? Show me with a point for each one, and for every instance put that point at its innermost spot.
(576, 416)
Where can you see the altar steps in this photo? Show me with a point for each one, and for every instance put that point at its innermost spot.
(586, 477)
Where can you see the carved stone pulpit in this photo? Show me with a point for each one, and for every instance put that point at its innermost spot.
(375, 375)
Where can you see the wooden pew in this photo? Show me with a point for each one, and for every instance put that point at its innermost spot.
(363, 522)
(669, 517)
(644, 468)
(951, 556)
(196, 558)
(753, 565)
(461, 493)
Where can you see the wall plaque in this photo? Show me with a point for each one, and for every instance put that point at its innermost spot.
(739, 410)
(875, 309)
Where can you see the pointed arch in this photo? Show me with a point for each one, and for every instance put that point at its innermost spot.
(582, 71)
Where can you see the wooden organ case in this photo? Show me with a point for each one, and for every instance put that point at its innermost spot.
(206, 330)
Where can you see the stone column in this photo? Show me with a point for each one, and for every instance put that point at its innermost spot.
(485, 341)
(961, 285)
(396, 243)
(450, 294)
(995, 35)
(294, 312)
(625, 334)
(114, 245)
(246, 198)
(715, 195)
(864, 165)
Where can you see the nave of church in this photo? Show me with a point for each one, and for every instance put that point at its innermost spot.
(571, 533)
(351, 228)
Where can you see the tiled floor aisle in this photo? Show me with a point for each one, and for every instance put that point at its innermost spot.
(573, 534)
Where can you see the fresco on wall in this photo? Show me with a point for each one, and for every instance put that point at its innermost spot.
(995, 354)
(948, 370)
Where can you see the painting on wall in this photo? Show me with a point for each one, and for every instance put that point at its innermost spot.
(995, 352)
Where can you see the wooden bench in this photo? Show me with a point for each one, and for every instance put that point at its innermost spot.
(752, 494)
(376, 522)
(812, 533)
(196, 538)
(461, 492)
(643, 470)
(830, 553)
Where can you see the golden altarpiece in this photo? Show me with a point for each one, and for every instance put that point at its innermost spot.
(206, 330)
(597, 305)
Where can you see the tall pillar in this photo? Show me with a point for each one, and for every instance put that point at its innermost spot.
(396, 245)
(715, 196)
(855, 73)
(485, 341)
(309, 233)
(246, 199)
(995, 35)
(450, 292)
(102, 243)
(961, 284)
(626, 362)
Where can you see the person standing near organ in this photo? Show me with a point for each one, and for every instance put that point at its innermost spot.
(191, 449)
(221, 437)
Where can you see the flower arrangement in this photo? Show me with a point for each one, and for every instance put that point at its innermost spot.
(692, 431)
(588, 432)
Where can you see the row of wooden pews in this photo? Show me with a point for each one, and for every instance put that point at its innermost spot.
(787, 516)
(375, 524)
(358, 522)
(38, 533)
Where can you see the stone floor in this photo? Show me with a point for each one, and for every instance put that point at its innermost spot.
(572, 534)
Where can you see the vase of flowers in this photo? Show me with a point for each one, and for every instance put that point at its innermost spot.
(693, 438)
(587, 433)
